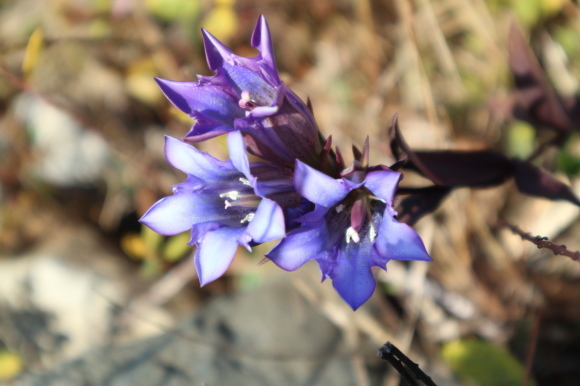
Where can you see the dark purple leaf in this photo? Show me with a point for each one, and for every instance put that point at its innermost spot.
(420, 202)
(481, 168)
(535, 100)
(538, 182)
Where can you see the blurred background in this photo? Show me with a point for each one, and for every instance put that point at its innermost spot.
(90, 297)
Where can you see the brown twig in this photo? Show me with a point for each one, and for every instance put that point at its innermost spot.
(541, 242)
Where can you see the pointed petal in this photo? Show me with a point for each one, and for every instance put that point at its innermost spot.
(191, 161)
(383, 184)
(262, 40)
(170, 215)
(301, 245)
(320, 188)
(215, 253)
(215, 51)
(398, 241)
(213, 97)
(205, 128)
(267, 224)
(238, 157)
(352, 276)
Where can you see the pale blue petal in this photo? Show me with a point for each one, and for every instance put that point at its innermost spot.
(398, 241)
(383, 184)
(170, 215)
(319, 188)
(267, 224)
(238, 156)
(215, 253)
(301, 245)
(196, 163)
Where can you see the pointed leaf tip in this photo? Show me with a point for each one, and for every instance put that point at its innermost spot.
(538, 182)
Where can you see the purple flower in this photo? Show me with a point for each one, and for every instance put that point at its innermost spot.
(247, 94)
(351, 229)
(222, 202)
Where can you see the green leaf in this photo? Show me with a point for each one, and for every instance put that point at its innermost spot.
(477, 363)
(176, 247)
(520, 139)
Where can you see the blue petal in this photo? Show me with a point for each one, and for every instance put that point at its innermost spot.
(383, 184)
(319, 188)
(193, 162)
(198, 231)
(262, 40)
(238, 156)
(170, 215)
(267, 224)
(178, 213)
(352, 276)
(301, 245)
(244, 79)
(214, 97)
(398, 241)
(215, 51)
(205, 128)
(215, 253)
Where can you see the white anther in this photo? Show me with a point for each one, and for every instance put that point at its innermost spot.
(232, 195)
(351, 234)
(245, 181)
(377, 199)
(249, 217)
(372, 233)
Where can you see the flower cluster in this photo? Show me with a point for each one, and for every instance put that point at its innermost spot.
(302, 193)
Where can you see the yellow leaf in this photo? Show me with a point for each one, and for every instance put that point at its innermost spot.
(222, 21)
(33, 49)
(140, 83)
(134, 246)
(10, 365)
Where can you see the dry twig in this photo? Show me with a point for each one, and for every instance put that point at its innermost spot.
(542, 242)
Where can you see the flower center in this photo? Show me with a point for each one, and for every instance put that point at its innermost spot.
(242, 202)
(360, 207)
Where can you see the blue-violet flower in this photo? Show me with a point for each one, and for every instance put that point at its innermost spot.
(351, 229)
(247, 94)
(222, 203)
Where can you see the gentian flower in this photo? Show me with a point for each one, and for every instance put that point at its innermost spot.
(247, 94)
(222, 203)
(351, 229)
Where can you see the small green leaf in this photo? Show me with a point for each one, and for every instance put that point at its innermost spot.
(520, 139)
(10, 365)
(176, 247)
(477, 363)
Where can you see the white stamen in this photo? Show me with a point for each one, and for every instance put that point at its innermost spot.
(377, 199)
(351, 234)
(245, 181)
(372, 233)
(249, 217)
(339, 208)
(232, 195)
